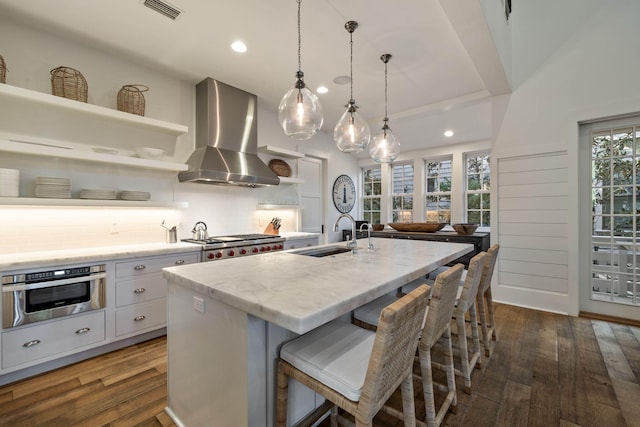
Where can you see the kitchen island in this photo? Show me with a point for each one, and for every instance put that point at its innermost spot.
(227, 320)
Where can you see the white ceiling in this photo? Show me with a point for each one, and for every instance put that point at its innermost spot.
(433, 83)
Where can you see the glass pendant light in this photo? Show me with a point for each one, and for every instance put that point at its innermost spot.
(300, 112)
(351, 133)
(384, 147)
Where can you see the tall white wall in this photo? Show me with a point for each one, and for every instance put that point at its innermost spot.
(572, 61)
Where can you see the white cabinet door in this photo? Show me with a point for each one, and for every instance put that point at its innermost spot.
(310, 171)
(45, 339)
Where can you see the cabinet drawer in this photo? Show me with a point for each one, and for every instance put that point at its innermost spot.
(35, 342)
(140, 289)
(141, 316)
(142, 266)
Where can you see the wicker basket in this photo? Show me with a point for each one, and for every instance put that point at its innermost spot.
(69, 83)
(3, 70)
(131, 99)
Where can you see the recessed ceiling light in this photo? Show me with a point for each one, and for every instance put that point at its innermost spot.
(239, 46)
(322, 89)
(448, 133)
(342, 80)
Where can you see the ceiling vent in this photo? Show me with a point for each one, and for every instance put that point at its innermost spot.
(164, 8)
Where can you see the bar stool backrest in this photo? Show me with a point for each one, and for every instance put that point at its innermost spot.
(393, 350)
(487, 272)
(443, 299)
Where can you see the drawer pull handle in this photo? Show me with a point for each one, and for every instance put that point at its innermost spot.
(31, 343)
(179, 262)
(139, 318)
(83, 331)
(139, 290)
(140, 267)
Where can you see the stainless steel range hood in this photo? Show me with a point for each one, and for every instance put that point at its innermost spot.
(226, 138)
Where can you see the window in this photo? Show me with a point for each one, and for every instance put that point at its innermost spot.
(371, 191)
(478, 189)
(402, 197)
(438, 190)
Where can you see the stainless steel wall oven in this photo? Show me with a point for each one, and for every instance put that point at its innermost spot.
(43, 295)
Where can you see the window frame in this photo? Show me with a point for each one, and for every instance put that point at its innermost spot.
(438, 194)
(485, 193)
(395, 216)
(369, 214)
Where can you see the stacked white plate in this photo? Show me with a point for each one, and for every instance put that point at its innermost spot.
(9, 182)
(53, 187)
(141, 196)
(102, 194)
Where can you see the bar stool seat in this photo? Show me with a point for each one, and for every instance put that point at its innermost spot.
(368, 314)
(333, 355)
(356, 369)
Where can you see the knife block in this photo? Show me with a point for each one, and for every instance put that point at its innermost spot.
(270, 230)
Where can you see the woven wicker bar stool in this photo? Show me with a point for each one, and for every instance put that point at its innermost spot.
(484, 301)
(466, 303)
(437, 327)
(332, 361)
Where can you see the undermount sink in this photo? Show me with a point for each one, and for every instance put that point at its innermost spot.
(322, 252)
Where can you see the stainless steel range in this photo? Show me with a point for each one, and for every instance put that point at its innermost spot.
(215, 248)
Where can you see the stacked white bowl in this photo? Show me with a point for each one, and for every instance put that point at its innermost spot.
(9, 182)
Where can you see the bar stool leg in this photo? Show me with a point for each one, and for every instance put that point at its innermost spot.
(282, 395)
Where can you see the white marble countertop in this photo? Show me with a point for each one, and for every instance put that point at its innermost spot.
(71, 256)
(300, 292)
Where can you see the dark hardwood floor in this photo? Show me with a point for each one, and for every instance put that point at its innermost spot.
(546, 370)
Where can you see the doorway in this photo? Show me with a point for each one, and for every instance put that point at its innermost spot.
(610, 203)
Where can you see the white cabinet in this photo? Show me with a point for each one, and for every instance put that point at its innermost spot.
(141, 291)
(22, 346)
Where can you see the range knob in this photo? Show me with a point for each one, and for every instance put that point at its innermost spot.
(268, 248)
(280, 246)
(254, 250)
(219, 255)
(211, 255)
(262, 249)
(243, 251)
(231, 253)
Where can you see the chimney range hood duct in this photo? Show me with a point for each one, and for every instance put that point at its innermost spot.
(226, 138)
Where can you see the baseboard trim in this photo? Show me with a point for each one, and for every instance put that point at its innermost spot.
(607, 318)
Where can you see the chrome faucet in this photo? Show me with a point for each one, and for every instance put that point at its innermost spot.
(370, 245)
(353, 244)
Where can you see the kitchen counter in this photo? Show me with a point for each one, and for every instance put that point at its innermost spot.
(228, 319)
(300, 293)
(72, 256)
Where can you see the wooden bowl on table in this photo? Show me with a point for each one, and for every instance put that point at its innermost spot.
(423, 227)
(377, 227)
(465, 229)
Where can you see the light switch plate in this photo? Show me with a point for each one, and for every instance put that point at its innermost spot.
(198, 304)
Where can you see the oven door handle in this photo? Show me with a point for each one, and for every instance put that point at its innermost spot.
(48, 284)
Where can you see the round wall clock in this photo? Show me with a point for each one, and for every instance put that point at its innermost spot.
(344, 193)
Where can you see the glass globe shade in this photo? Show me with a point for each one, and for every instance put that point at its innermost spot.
(351, 133)
(300, 113)
(384, 147)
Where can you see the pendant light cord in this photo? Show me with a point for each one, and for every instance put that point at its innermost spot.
(386, 116)
(351, 64)
(299, 39)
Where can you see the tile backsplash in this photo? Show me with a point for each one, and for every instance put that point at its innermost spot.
(24, 229)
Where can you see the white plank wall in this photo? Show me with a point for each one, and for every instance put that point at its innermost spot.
(533, 228)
